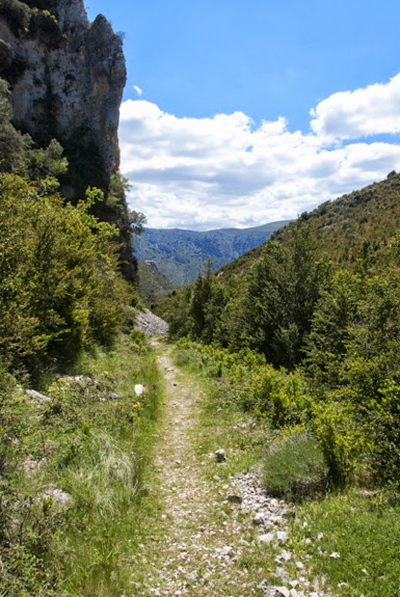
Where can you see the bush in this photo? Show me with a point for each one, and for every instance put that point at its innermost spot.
(294, 466)
(61, 290)
(340, 439)
(45, 26)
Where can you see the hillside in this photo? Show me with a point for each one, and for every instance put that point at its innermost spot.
(151, 281)
(362, 220)
(224, 307)
(181, 254)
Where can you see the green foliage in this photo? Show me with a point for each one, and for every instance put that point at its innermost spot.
(19, 154)
(200, 297)
(337, 332)
(340, 440)
(283, 289)
(118, 187)
(12, 143)
(175, 311)
(44, 25)
(294, 466)
(137, 221)
(41, 163)
(334, 316)
(60, 289)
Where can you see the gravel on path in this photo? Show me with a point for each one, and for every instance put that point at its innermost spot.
(211, 527)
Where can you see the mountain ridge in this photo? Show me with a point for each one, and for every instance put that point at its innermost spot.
(181, 254)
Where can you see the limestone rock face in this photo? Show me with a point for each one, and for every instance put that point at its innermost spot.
(67, 76)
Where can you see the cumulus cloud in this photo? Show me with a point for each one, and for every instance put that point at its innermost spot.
(361, 113)
(225, 171)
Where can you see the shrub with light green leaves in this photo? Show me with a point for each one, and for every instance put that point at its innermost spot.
(294, 466)
(61, 289)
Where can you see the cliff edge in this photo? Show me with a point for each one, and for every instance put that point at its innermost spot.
(67, 76)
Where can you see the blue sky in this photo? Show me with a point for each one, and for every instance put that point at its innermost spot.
(210, 75)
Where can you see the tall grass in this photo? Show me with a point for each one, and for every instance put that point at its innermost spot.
(75, 507)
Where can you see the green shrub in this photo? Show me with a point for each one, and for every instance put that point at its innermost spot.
(294, 466)
(280, 397)
(45, 26)
(340, 438)
(61, 290)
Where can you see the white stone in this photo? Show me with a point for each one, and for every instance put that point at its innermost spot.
(282, 536)
(139, 389)
(267, 538)
(37, 396)
(283, 591)
(220, 455)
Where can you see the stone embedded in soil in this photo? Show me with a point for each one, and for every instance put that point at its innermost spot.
(220, 455)
(139, 389)
(266, 539)
(234, 499)
(276, 592)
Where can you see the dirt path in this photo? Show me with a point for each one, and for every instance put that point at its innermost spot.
(207, 542)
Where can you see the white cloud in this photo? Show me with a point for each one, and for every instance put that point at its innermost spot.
(138, 90)
(361, 113)
(223, 171)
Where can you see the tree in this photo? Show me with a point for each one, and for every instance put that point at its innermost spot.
(12, 143)
(137, 221)
(335, 315)
(283, 289)
(61, 290)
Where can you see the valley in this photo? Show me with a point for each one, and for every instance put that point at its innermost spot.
(204, 413)
(181, 254)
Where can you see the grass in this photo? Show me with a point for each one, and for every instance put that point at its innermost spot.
(294, 467)
(364, 529)
(95, 441)
(90, 443)
(222, 423)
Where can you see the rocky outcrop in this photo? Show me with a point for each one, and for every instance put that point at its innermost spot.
(67, 76)
(150, 324)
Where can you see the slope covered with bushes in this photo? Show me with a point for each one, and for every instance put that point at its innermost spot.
(326, 330)
(361, 221)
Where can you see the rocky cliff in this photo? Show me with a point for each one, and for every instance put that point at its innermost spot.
(67, 76)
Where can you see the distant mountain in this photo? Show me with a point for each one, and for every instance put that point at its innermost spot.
(181, 254)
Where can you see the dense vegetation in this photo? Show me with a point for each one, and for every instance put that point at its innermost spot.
(310, 343)
(361, 222)
(302, 333)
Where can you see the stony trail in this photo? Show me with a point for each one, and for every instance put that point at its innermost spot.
(216, 536)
